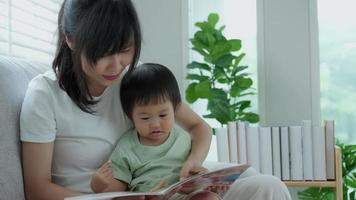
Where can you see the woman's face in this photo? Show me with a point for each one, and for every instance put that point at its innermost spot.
(106, 70)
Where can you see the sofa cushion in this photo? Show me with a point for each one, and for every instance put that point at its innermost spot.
(14, 77)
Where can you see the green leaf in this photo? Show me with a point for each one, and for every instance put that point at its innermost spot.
(316, 194)
(221, 28)
(238, 59)
(219, 35)
(219, 72)
(223, 80)
(240, 85)
(220, 48)
(203, 89)
(209, 116)
(219, 106)
(244, 104)
(225, 61)
(197, 77)
(237, 69)
(197, 65)
(250, 117)
(201, 38)
(245, 82)
(235, 44)
(213, 19)
(211, 38)
(201, 25)
(246, 94)
(200, 51)
(190, 95)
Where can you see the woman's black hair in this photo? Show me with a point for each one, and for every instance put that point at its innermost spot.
(149, 83)
(96, 28)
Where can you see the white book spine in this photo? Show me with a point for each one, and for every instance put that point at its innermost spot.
(319, 165)
(276, 152)
(296, 154)
(241, 138)
(253, 148)
(232, 133)
(307, 150)
(265, 150)
(330, 145)
(222, 144)
(285, 153)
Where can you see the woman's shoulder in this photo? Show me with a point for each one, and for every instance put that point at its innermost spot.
(47, 80)
(44, 87)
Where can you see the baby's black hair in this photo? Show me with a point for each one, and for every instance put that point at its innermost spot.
(149, 83)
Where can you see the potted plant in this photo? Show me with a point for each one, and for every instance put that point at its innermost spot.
(220, 78)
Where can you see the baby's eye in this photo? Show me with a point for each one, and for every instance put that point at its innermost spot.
(145, 118)
(162, 115)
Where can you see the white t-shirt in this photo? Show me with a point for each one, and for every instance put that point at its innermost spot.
(82, 141)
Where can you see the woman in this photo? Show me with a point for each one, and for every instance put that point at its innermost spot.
(71, 116)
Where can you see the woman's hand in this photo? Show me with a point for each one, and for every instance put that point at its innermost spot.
(102, 177)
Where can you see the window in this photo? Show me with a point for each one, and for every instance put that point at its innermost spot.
(28, 27)
(337, 42)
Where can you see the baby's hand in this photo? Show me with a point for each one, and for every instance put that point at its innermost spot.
(190, 168)
(102, 177)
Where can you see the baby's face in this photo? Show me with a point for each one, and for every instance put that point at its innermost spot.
(153, 122)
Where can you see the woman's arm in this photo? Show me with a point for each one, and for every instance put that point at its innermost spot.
(201, 137)
(36, 165)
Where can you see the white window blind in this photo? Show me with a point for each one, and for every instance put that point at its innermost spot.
(28, 28)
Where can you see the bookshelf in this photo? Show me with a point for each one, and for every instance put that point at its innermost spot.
(337, 183)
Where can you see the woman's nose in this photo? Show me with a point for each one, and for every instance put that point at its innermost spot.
(116, 63)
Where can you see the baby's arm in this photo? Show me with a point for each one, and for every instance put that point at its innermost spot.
(103, 180)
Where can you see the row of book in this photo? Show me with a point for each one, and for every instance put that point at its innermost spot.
(302, 152)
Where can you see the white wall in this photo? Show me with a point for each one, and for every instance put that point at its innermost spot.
(288, 73)
(165, 34)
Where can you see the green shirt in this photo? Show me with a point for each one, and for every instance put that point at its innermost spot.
(142, 167)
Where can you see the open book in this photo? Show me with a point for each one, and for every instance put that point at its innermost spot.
(224, 176)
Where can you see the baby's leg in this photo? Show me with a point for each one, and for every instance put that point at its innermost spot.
(204, 195)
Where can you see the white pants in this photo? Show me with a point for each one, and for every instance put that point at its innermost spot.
(253, 186)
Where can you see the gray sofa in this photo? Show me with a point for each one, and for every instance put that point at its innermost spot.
(14, 77)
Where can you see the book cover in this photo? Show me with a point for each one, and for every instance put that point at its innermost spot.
(307, 150)
(296, 154)
(276, 152)
(265, 139)
(222, 144)
(330, 145)
(232, 133)
(253, 147)
(224, 176)
(285, 153)
(241, 138)
(319, 165)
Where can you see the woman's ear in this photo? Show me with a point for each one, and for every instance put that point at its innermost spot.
(69, 41)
